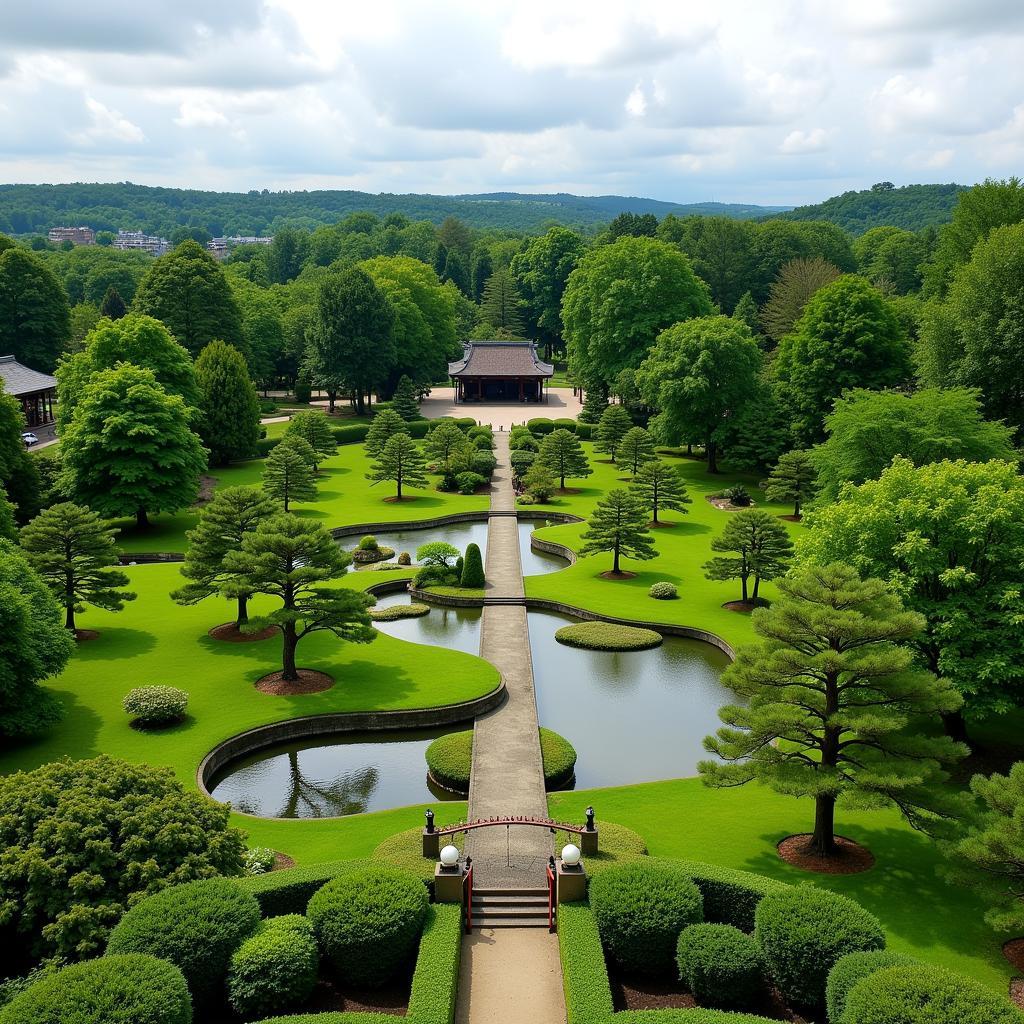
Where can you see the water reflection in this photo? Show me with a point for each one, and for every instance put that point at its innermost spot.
(455, 628)
(536, 563)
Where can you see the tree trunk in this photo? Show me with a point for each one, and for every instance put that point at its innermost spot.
(286, 499)
(823, 842)
(399, 483)
(289, 673)
(956, 726)
(689, 447)
(757, 584)
(615, 566)
(655, 520)
(141, 518)
(331, 398)
(243, 611)
(712, 456)
(743, 581)
(69, 617)
(796, 508)
(360, 404)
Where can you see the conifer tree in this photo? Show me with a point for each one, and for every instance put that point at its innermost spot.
(595, 401)
(615, 423)
(229, 407)
(73, 551)
(539, 482)
(402, 461)
(635, 449)
(759, 546)
(794, 479)
(456, 272)
(501, 305)
(404, 402)
(562, 453)
(386, 423)
(288, 471)
(290, 559)
(113, 306)
(443, 441)
(313, 426)
(472, 568)
(829, 690)
(618, 524)
(232, 513)
(660, 487)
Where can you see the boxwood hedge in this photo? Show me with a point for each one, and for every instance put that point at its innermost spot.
(730, 895)
(351, 433)
(607, 636)
(288, 891)
(721, 965)
(850, 969)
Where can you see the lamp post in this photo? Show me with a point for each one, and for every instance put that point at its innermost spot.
(588, 837)
(431, 839)
(571, 878)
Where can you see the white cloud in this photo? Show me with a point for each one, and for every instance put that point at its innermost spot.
(107, 126)
(799, 141)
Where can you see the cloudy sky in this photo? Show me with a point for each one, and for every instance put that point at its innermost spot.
(773, 101)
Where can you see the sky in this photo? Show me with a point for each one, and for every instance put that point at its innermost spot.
(762, 101)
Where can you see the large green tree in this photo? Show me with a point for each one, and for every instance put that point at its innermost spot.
(847, 337)
(798, 281)
(229, 408)
(386, 423)
(73, 550)
(636, 449)
(620, 297)
(501, 306)
(562, 453)
(752, 544)
(130, 449)
(444, 439)
(288, 473)
(18, 473)
(401, 461)
(188, 291)
(721, 249)
(891, 258)
(35, 320)
(313, 426)
(699, 374)
(613, 426)
(947, 538)
(298, 562)
(829, 690)
(618, 524)
(660, 487)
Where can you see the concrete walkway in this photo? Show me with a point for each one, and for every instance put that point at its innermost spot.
(561, 402)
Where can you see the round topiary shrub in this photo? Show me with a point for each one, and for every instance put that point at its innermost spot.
(393, 612)
(804, 931)
(720, 965)
(131, 989)
(640, 909)
(368, 543)
(540, 425)
(274, 969)
(156, 705)
(663, 591)
(851, 969)
(467, 483)
(367, 922)
(196, 926)
(523, 441)
(607, 636)
(925, 995)
(559, 759)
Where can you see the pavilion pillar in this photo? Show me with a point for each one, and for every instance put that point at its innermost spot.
(521, 389)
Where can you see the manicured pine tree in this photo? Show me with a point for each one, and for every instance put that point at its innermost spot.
(613, 427)
(759, 547)
(472, 568)
(232, 513)
(314, 427)
(229, 406)
(829, 690)
(73, 551)
(404, 402)
(288, 471)
(113, 306)
(635, 449)
(290, 559)
(618, 524)
(402, 461)
(660, 487)
(386, 423)
(562, 453)
(443, 441)
(794, 478)
(130, 449)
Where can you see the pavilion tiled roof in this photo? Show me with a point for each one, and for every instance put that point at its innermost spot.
(21, 380)
(500, 359)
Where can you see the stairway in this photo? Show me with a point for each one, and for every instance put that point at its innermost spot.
(510, 908)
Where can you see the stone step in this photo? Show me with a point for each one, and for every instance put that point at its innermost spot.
(538, 893)
(497, 921)
(505, 600)
(510, 900)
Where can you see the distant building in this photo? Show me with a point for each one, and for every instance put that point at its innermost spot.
(250, 239)
(509, 371)
(219, 247)
(76, 236)
(36, 391)
(141, 242)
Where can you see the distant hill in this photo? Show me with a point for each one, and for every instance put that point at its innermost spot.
(912, 207)
(31, 209)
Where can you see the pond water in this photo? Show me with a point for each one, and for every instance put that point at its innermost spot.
(455, 628)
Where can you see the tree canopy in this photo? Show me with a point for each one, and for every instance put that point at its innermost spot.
(229, 408)
(401, 461)
(542, 270)
(288, 471)
(618, 524)
(35, 321)
(752, 544)
(661, 488)
(562, 453)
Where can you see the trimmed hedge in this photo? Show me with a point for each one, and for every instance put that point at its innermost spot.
(696, 1016)
(564, 423)
(405, 850)
(925, 995)
(607, 636)
(588, 994)
(584, 431)
(393, 612)
(368, 922)
(540, 425)
(265, 445)
(720, 965)
(195, 926)
(640, 908)
(130, 989)
(852, 968)
(730, 895)
(804, 931)
(289, 890)
(274, 969)
(351, 433)
(558, 756)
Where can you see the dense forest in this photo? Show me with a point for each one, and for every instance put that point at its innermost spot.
(31, 209)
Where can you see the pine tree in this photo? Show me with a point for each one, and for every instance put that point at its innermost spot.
(760, 545)
(595, 402)
(501, 305)
(660, 487)
(313, 426)
(229, 407)
(635, 449)
(113, 306)
(402, 461)
(746, 311)
(404, 402)
(472, 568)
(562, 453)
(618, 524)
(386, 423)
(288, 471)
(73, 551)
(130, 449)
(794, 478)
(612, 428)
(456, 272)
(443, 441)
(829, 691)
(289, 559)
(232, 513)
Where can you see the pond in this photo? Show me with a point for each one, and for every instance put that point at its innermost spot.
(455, 628)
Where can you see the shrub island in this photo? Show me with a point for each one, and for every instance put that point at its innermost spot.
(607, 636)
(394, 612)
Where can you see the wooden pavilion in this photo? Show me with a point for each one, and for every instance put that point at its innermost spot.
(500, 371)
(36, 391)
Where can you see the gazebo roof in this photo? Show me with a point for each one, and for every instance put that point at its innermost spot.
(21, 380)
(500, 359)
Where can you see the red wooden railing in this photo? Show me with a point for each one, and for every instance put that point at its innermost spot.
(551, 899)
(467, 886)
(467, 826)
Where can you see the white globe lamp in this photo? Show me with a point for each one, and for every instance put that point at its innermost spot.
(571, 856)
(449, 857)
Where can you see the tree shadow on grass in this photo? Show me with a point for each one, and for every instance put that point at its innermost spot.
(681, 528)
(73, 736)
(382, 689)
(115, 643)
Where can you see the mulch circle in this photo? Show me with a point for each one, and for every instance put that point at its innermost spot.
(309, 681)
(393, 499)
(1014, 953)
(282, 861)
(233, 635)
(661, 525)
(617, 575)
(727, 506)
(82, 635)
(743, 606)
(850, 859)
(1017, 992)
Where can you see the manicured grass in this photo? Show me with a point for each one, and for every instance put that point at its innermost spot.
(739, 828)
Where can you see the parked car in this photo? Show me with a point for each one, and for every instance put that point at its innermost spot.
(29, 438)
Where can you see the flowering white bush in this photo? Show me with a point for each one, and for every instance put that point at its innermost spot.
(259, 860)
(663, 591)
(156, 705)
